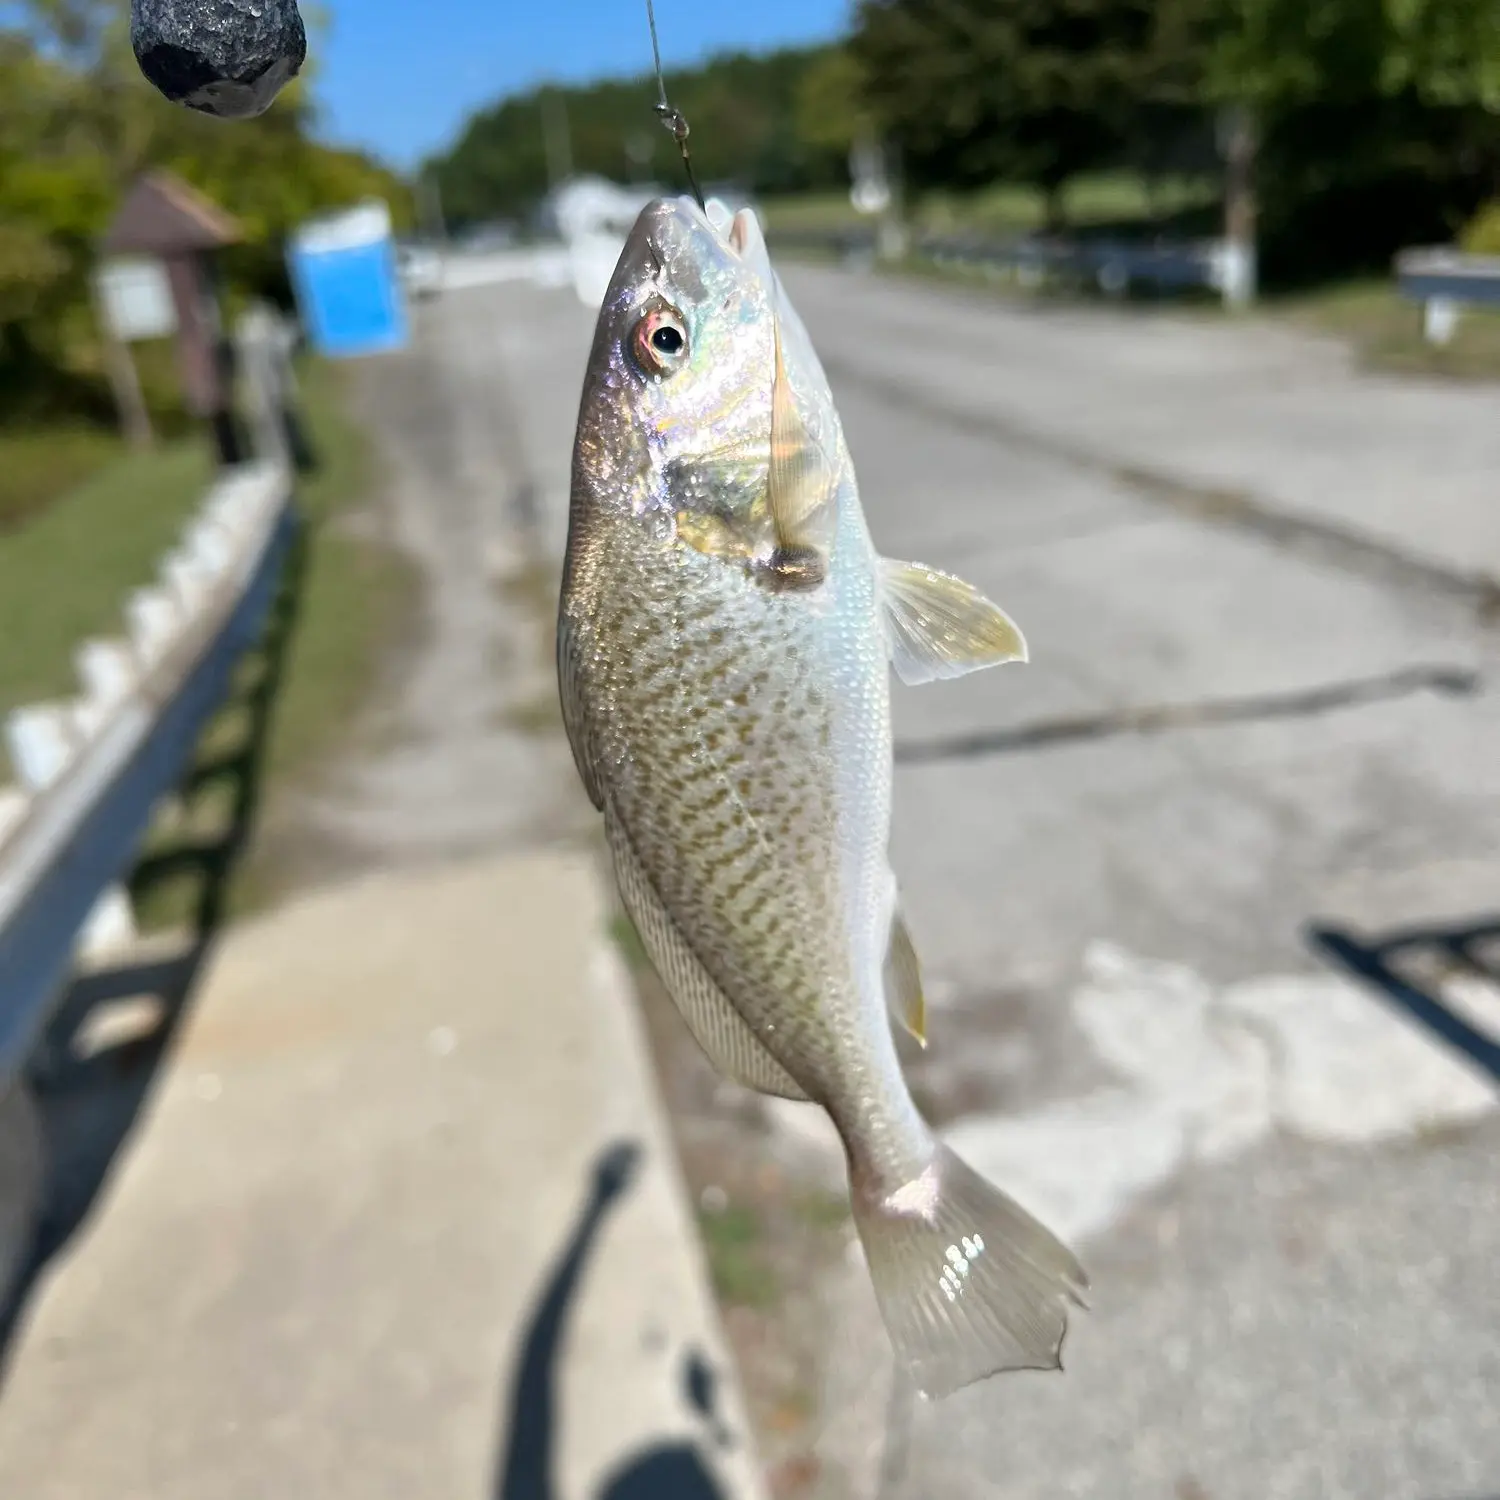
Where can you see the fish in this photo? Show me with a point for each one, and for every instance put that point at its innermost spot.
(726, 636)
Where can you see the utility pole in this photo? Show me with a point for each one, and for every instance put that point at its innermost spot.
(430, 209)
(1238, 144)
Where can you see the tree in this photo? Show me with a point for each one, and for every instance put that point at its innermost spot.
(831, 111)
(1273, 55)
(1376, 119)
(78, 123)
(978, 91)
(743, 110)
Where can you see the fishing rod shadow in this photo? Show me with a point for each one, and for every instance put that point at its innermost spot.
(662, 1471)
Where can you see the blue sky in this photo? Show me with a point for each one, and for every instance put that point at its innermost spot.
(399, 76)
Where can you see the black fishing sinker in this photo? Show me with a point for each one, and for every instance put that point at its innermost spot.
(222, 57)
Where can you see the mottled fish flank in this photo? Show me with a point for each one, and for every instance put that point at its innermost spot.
(725, 640)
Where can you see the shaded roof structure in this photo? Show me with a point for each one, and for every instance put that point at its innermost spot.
(162, 215)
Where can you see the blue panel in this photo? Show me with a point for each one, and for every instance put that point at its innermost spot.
(350, 298)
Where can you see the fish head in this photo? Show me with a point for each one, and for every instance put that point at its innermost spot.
(676, 423)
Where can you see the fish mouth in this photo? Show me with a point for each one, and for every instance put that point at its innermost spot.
(739, 231)
(680, 251)
(668, 226)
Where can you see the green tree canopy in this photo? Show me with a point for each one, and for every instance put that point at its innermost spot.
(832, 112)
(1281, 54)
(78, 123)
(1035, 91)
(744, 113)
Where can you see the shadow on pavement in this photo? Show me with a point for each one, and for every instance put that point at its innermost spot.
(1409, 968)
(86, 1101)
(666, 1471)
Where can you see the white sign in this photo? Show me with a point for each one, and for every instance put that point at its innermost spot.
(137, 300)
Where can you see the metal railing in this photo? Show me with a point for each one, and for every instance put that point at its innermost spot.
(92, 769)
(1112, 265)
(1444, 281)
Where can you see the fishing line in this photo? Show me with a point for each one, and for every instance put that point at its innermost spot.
(673, 119)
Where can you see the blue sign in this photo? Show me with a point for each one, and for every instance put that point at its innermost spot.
(348, 285)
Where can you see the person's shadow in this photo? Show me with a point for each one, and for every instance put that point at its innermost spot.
(664, 1471)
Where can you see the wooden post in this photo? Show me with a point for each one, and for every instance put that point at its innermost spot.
(125, 382)
(163, 218)
(124, 379)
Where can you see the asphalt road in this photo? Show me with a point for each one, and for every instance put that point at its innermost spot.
(1285, 1190)
(1286, 1193)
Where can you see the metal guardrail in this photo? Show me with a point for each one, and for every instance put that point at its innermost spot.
(1113, 265)
(1445, 281)
(92, 769)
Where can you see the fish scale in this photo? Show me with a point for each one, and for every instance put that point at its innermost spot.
(726, 632)
(725, 784)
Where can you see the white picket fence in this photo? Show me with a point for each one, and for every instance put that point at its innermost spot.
(91, 769)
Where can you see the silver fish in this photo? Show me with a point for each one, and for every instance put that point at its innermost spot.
(725, 637)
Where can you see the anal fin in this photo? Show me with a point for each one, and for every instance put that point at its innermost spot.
(903, 982)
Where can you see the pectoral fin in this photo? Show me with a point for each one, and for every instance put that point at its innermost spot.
(715, 1024)
(802, 485)
(903, 982)
(940, 627)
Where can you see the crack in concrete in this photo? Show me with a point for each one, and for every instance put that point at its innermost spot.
(1405, 682)
(1321, 540)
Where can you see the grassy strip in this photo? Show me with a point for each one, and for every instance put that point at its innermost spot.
(356, 594)
(1385, 331)
(66, 573)
(37, 467)
(1111, 198)
(350, 598)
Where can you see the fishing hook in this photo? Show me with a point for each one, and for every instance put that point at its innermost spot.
(672, 118)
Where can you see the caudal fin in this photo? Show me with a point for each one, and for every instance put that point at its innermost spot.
(969, 1284)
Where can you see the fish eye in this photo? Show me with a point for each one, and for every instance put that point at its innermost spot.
(660, 341)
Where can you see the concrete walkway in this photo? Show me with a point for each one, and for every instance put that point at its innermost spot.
(402, 1220)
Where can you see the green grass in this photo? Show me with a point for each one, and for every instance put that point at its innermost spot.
(39, 467)
(734, 1241)
(357, 595)
(1385, 330)
(1114, 198)
(65, 573)
(628, 940)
